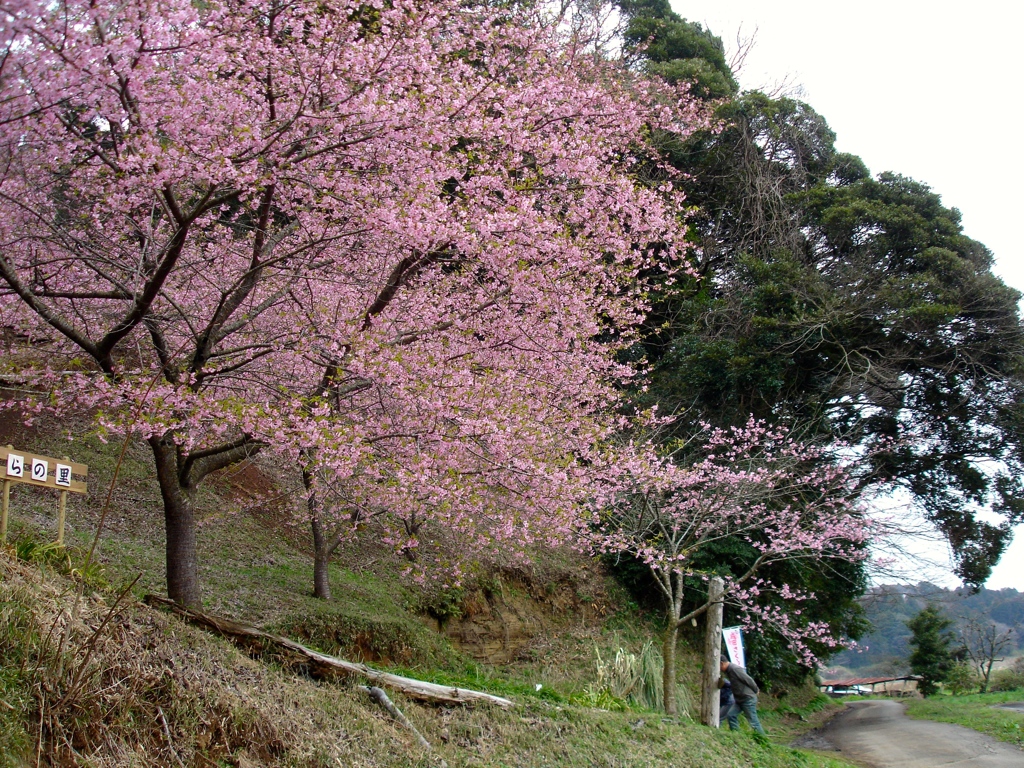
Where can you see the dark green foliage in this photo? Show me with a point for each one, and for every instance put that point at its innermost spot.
(680, 51)
(796, 137)
(932, 656)
(853, 309)
(939, 343)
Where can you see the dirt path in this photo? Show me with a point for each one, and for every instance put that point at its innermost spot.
(880, 735)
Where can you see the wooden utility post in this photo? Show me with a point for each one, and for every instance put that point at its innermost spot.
(18, 466)
(712, 654)
(62, 509)
(4, 510)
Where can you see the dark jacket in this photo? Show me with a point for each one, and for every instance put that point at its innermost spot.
(724, 695)
(743, 685)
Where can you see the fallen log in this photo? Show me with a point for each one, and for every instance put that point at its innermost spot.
(321, 664)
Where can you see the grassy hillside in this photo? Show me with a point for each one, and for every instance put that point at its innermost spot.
(91, 676)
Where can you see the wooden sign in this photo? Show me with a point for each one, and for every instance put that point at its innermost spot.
(18, 466)
(43, 471)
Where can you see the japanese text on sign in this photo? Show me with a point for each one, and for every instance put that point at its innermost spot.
(43, 471)
(63, 475)
(734, 645)
(15, 465)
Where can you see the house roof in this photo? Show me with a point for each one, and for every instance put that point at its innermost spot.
(866, 680)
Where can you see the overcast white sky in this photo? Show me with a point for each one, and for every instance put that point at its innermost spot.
(930, 89)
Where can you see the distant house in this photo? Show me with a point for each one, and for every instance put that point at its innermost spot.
(892, 686)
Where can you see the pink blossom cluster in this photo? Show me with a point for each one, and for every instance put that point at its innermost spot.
(786, 499)
(398, 243)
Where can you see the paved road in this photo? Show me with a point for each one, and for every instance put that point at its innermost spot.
(880, 735)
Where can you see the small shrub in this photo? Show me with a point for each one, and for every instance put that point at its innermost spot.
(599, 699)
(30, 550)
(1011, 679)
(961, 680)
(443, 604)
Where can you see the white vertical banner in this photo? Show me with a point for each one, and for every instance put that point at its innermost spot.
(734, 644)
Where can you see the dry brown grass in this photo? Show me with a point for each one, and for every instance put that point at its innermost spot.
(119, 684)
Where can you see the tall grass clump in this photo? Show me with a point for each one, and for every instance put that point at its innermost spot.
(631, 681)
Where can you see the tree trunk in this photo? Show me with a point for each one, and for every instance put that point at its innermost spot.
(179, 524)
(986, 677)
(668, 675)
(321, 561)
(321, 546)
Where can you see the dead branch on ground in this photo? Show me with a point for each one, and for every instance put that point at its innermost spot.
(322, 665)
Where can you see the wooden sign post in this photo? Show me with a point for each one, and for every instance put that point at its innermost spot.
(33, 469)
(709, 714)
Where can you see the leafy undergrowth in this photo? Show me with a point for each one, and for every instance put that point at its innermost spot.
(980, 711)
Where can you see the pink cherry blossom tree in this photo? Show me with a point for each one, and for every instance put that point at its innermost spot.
(787, 500)
(451, 460)
(396, 243)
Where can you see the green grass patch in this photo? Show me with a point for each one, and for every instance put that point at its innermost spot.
(353, 632)
(542, 734)
(979, 711)
(482, 677)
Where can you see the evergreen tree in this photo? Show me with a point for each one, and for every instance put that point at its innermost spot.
(850, 307)
(931, 657)
(677, 50)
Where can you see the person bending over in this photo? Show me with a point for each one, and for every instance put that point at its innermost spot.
(744, 694)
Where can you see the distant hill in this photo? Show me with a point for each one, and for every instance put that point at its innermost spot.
(889, 606)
